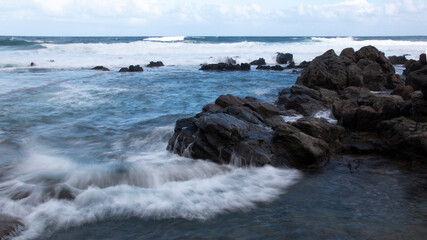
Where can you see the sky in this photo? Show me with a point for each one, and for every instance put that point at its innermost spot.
(213, 17)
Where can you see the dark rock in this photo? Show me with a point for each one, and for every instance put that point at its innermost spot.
(277, 68)
(284, 58)
(32, 64)
(423, 60)
(302, 99)
(398, 59)
(367, 67)
(418, 80)
(226, 67)
(419, 110)
(260, 61)
(229, 100)
(404, 137)
(322, 129)
(155, 64)
(261, 67)
(132, 68)
(100, 68)
(304, 64)
(403, 91)
(291, 65)
(365, 113)
(299, 148)
(10, 226)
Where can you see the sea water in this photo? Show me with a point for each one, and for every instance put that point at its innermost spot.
(83, 153)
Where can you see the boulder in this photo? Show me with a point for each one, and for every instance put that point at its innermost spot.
(403, 91)
(423, 60)
(260, 61)
(263, 67)
(304, 64)
(404, 137)
(299, 148)
(275, 68)
(132, 68)
(100, 68)
(155, 64)
(418, 80)
(397, 59)
(226, 67)
(284, 58)
(304, 100)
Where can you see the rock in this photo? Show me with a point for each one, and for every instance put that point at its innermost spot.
(322, 129)
(229, 100)
(367, 67)
(397, 59)
(304, 100)
(284, 58)
(261, 67)
(260, 61)
(226, 67)
(419, 110)
(291, 65)
(32, 64)
(155, 64)
(404, 137)
(423, 60)
(299, 148)
(10, 226)
(100, 68)
(418, 80)
(304, 64)
(403, 91)
(363, 114)
(132, 68)
(277, 68)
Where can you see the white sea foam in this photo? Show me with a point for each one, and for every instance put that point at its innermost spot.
(165, 39)
(150, 184)
(174, 51)
(327, 115)
(292, 118)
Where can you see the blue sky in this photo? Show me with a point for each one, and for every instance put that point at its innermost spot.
(213, 17)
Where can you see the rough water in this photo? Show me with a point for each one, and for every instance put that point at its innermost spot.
(83, 153)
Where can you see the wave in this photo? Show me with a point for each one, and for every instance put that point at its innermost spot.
(165, 39)
(48, 191)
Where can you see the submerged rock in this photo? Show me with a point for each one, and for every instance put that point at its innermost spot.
(10, 226)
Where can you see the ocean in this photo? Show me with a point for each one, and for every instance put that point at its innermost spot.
(83, 152)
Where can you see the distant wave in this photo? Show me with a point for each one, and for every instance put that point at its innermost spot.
(166, 39)
(11, 41)
(331, 39)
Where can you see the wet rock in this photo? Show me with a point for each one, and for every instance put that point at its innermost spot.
(284, 58)
(304, 64)
(275, 68)
(10, 226)
(398, 59)
(226, 67)
(260, 61)
(403, 91)
(413, 65)
(322, 129)
(100, 68)
(299, 148)
(155, 64)
(404, 137)
(261, 67)
(132, 68)
(418, 80)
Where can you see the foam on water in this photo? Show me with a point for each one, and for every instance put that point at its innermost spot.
(177, 51)
(327, 115)
(49, 191)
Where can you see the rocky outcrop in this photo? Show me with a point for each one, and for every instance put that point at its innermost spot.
(397, 59)
(260, 61)
(367, 67)
(100, 68)
(132, 68)
(155, 64)
(284, 58)
(244, 131)
(226, 67)
(413, 65)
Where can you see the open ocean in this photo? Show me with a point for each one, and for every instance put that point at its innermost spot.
(83, 153)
